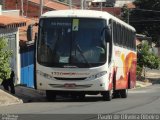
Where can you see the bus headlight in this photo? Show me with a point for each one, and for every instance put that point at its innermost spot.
(98, 75)
(44, 75)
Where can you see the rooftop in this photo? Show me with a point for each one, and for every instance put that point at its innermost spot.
(130, 5)
(11, 22)
(52, 4)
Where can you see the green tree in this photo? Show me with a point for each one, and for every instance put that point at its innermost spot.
(5, 56)
(146, 59)
(148, 4)
(125, 13)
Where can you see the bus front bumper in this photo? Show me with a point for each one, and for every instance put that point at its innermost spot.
(99, 84)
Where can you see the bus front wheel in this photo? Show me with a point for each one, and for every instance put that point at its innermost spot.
(107, 96)
(50, 95)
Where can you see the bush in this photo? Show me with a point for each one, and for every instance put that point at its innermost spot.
(5, 55)
(139, 70)
(146, 59)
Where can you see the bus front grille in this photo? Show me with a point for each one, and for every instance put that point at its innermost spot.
(75, 87)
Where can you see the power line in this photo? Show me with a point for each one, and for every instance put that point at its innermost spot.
(145, 20)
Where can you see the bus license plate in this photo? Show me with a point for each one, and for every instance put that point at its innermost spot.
(69, 86)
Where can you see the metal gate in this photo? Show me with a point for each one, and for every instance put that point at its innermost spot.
(27, 66)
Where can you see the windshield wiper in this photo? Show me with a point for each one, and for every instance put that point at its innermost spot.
(81, 53)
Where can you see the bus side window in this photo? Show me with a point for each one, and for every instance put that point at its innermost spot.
(110, 41)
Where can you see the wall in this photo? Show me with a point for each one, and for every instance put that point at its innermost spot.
(156, 50)
(120, 3)
(11, 12)
(30, 9)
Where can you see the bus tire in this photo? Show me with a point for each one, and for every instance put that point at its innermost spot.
(115, 92)
(124, 93)
(114, 81)
(129, 81)
(50, 95)
(107, 96)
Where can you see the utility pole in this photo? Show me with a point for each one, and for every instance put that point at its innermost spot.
(41, 8)
(101, 5)
(82, 4)
(70, 4)
(22, 8)
(16, 4)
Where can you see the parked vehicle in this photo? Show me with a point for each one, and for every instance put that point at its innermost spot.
(81, 52)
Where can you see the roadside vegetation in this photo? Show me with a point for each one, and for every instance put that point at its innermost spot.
(146, 59)
(5, 55)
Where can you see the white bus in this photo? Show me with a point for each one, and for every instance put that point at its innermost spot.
(81, 52)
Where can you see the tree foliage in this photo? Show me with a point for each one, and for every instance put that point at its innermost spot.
(146, 18)
(148, 4)
(146, 58)
(125, 13)
(5, 56)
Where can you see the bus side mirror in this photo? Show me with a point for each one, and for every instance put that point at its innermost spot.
(106, 33)
(36, 36)
(29, 32)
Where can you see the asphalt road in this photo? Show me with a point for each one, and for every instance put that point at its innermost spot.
(139, 101)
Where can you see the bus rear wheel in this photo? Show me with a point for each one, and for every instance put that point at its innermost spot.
(107, 96)
(50, 95)
(123, 93)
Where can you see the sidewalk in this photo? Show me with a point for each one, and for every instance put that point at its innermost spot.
(152, 77)
(140, 84)
(155, 74)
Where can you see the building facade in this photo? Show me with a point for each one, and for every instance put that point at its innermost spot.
(9, 29)
(121, 3)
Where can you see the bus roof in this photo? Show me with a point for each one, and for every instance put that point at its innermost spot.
(85, 14)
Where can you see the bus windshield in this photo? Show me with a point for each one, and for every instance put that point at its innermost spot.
(76, 42)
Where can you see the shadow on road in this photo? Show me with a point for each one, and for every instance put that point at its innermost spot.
(31, 95)
(86, 99)
(154, 80)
